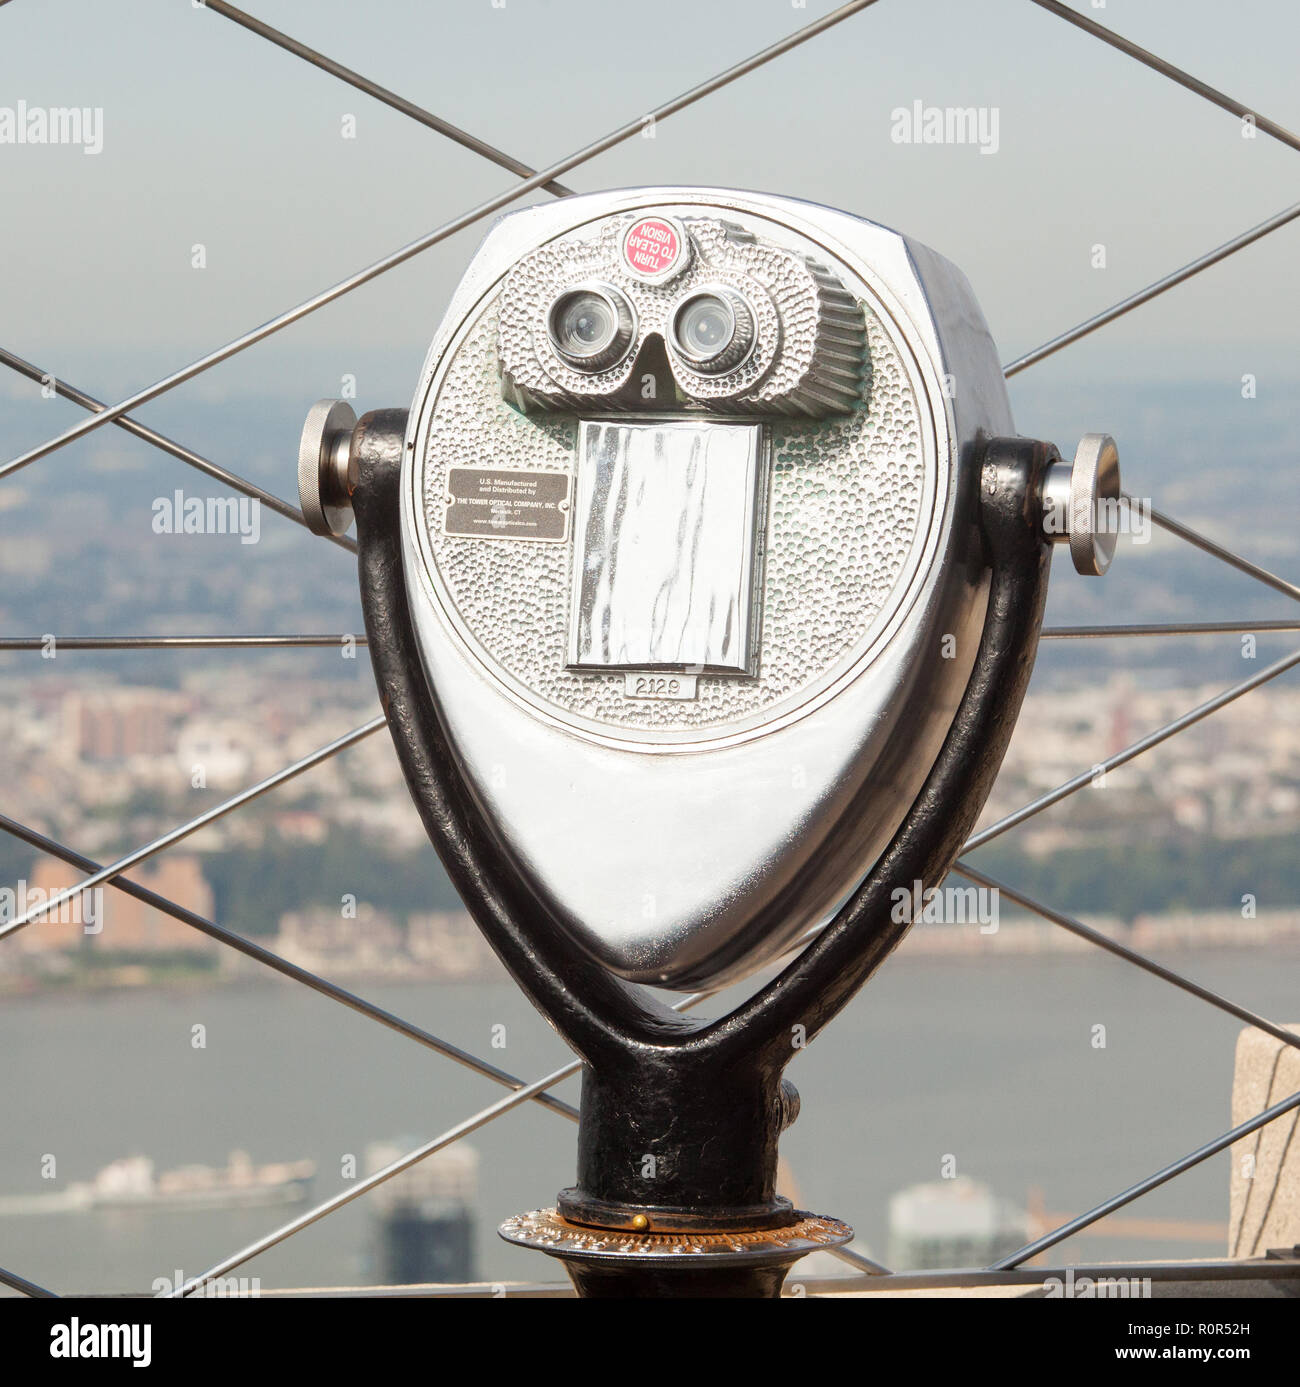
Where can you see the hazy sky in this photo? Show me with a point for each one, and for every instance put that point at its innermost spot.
(213, 136)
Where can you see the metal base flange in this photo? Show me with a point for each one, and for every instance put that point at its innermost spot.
(612, 1262)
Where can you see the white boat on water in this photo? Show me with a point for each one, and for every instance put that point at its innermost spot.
(133, 1183)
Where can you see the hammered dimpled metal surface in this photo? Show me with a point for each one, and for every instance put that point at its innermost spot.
(848, 502)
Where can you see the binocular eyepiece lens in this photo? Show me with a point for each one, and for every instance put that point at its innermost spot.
(713, 330)
(586, 323)
(705, 326)
(591, 327)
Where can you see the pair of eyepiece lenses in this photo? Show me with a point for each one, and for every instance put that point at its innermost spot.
(592, 327)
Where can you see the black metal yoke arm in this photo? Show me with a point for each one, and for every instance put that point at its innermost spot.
(591, 1007)
(603, 1018)
(817, 984)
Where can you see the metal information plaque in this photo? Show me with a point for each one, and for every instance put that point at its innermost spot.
(485, 503)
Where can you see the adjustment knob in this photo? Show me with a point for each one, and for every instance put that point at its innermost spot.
(1081, 503)
(326, 476)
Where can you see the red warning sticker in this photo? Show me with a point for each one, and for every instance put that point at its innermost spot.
(652, 247)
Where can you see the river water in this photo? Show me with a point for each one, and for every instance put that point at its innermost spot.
(991, 1061)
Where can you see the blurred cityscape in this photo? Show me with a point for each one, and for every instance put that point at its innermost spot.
(98, 765)
(1190, 844)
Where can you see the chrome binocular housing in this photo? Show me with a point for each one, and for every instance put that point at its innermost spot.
(703, 581)
(676, 616)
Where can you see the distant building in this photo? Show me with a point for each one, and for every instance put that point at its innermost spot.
(324, 939)
(442, 944)
(1216, 929)
(448, 941)
(424, 1217)
(115, 724)
(112, 921)
(952, 1223)
(216, 749)
(302, 826)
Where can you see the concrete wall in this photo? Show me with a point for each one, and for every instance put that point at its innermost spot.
(1265, 1188)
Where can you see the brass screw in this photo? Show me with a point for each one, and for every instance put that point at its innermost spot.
(640, 1222)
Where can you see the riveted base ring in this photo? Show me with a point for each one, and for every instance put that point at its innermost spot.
(605, 1262)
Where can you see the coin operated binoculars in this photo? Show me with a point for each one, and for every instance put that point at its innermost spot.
(703, 581)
